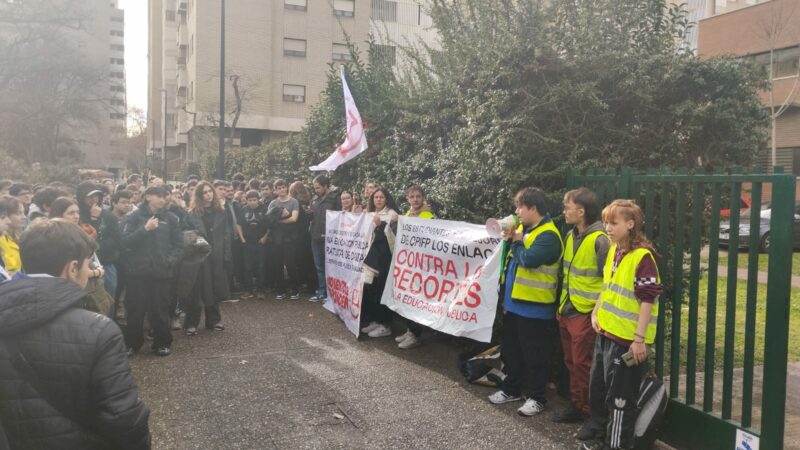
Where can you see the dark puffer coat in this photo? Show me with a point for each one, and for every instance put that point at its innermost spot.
(151, 253)
(83, 396)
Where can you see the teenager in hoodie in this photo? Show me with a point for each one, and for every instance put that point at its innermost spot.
(66, 382)
(90, 200)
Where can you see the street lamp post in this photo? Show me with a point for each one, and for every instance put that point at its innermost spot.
(221, 136)
(164, 146)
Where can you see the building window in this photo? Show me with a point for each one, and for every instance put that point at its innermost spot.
(117, 60)
(116, 75)
(297, 5)
(118, 116)
(294, 93)
(118, 48)
(785, 61)
(117, 89)
(385, 10)
(345, 8)
(170, 15)
(385, 54)
(341, 52)
(294, 47)
(117, 102)
(117, 33)
(117, 19)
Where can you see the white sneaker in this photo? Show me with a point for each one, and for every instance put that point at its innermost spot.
(500, 397)
(403, 337)
(530, 408)
(380, 331)
(410, 342)
(370, 327)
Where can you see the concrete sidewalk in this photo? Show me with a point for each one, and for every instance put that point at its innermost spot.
(289, 375)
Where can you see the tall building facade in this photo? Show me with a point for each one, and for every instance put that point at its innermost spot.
(753, 30)
(92, 33)
(278, 55)
(105, 46)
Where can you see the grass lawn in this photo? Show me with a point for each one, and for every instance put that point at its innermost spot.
(739, 334)
(762, 261)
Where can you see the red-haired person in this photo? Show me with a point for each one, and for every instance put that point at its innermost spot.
(625, 320)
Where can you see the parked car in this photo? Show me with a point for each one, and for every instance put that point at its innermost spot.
(744, 206)
(763, 231)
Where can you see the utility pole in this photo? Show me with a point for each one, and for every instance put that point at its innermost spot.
(164, 147)
(221, 156)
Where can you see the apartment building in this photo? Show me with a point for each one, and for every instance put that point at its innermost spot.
(750, 30)
(278, 56)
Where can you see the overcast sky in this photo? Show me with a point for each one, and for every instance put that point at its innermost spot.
(136, 52)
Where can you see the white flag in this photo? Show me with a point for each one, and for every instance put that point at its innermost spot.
(355, 140)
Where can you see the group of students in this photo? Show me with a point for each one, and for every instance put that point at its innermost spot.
(189, 247)
(606, 312)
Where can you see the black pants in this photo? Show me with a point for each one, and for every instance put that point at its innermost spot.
(254, 260)
(193, 311)
(286, 252)
(151, 296)
(271, 272)
(236, 274)
(613, 392)
(415, 328)
(526, 355)
(372, 309)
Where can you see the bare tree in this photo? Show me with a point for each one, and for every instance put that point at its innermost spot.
(47, 89)
(773, 28)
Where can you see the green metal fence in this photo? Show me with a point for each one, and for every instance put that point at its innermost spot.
(683, 219)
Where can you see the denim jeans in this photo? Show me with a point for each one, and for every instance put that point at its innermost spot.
(318, 249)
(110, 279)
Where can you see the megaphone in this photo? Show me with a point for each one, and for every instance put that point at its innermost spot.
(496, 227)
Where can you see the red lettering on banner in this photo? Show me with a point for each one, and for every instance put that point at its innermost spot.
(472, 293)
(340, 292)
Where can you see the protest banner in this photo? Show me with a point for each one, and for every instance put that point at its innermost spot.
(347, 240)
(444, 275)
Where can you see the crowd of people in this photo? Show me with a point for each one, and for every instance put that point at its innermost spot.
(157, 257)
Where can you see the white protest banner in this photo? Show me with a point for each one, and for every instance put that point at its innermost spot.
(444, 275)
(347, 240)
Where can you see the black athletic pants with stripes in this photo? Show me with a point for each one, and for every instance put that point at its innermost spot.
(614, 392)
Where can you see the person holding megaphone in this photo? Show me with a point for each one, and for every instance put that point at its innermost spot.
(529, 285)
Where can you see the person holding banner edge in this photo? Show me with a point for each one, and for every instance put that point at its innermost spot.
(326, 199)
(529, 296)
(585, 252)
(417, 208)
(379, 260)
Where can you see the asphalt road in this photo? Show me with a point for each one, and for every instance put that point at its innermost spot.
(289, 375)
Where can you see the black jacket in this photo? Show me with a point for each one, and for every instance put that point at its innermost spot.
(213, 276)
(319, 206)
(151, 253)
(83, 395)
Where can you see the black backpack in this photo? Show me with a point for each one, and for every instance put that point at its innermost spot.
(652, 405)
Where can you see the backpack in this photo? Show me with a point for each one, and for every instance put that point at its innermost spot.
(483, 368)
(652, 405)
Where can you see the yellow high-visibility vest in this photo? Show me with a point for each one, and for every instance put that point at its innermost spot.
(581, 278)
(538, 284)
(619, 307)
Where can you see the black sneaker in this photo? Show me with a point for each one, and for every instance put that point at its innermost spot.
(280, 296)
(191, 331)
(569, 415)
(218, 326)
(294, 296)
(588, 432)
(163, 351)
